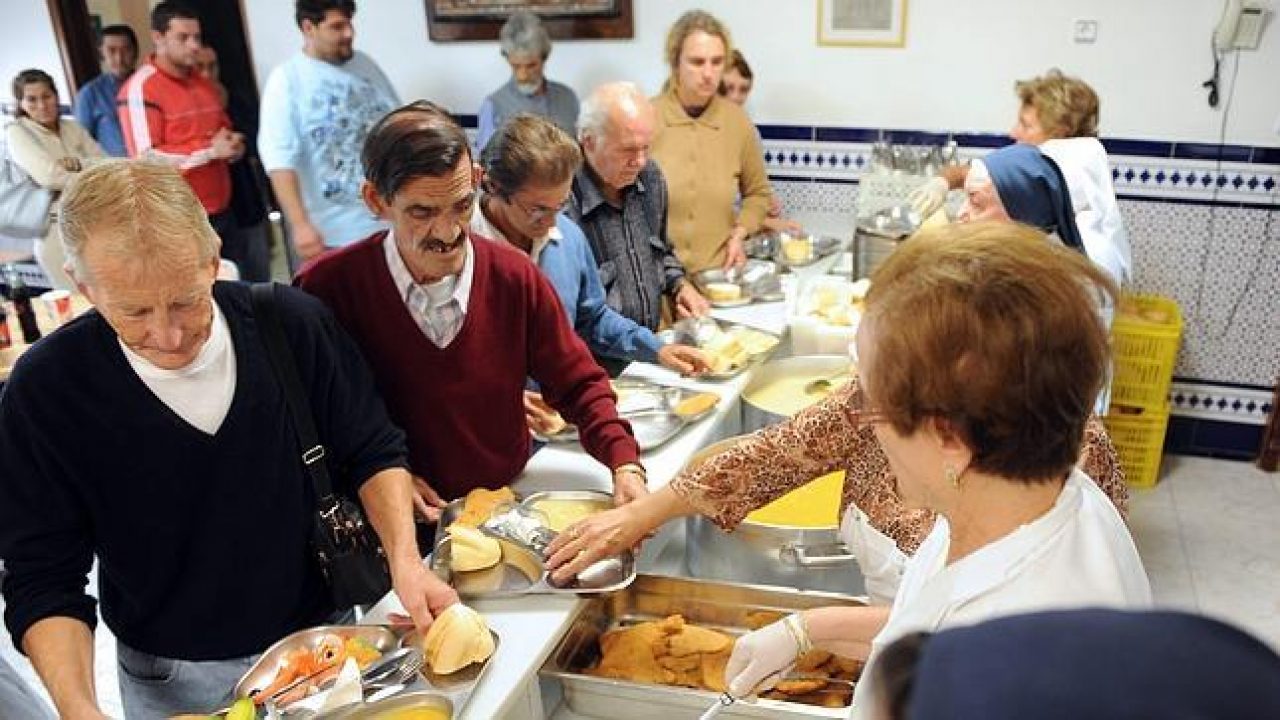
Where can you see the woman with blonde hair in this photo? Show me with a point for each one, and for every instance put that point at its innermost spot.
(50, 149)
(707, 149)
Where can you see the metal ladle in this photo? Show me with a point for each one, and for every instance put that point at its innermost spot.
(823, 385)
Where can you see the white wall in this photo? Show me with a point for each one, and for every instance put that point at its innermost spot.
(27, 41)
(956, 73)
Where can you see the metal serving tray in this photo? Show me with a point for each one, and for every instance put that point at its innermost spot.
(722, 606)
(699, 331)
(650, 408)
(429, 690)
(820, 246)
(271, 661)
(758, 280)
(521, 570)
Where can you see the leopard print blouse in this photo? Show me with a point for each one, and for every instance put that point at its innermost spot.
(823, 438)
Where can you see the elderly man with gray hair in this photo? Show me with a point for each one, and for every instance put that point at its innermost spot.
(620, 202)
(152, 433)
(525, 46)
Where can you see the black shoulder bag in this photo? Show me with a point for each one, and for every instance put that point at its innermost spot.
(351, 558)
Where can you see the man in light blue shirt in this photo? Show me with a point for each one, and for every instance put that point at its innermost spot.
(95, 105)
(529, 166)
(316, 110)
(526, 45)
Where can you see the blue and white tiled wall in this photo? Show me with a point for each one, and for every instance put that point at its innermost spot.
(1204, 221)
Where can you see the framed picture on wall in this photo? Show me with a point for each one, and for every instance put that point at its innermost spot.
(453, 20)
(862, 23)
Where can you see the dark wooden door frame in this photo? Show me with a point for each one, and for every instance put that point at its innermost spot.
(76, 43)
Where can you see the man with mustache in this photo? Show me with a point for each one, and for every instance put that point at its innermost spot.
(452, 327)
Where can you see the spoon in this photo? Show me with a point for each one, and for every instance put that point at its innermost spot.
(823, 385)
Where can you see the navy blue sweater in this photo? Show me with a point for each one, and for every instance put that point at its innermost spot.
(203, 541)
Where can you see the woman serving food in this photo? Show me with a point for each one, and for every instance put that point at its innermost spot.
(980, 353)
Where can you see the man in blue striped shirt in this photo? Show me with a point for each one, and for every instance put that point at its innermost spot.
(95, 105)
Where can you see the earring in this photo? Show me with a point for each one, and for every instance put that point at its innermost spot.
(952, 476)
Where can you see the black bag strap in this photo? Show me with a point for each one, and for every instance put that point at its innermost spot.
(286, 369)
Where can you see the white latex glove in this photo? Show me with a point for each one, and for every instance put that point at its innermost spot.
(930, 196)
(761, 657)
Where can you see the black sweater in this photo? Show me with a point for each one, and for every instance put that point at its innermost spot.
(203, 541)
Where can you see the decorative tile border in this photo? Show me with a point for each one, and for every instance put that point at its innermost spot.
(1249, 406)
(1198, 173)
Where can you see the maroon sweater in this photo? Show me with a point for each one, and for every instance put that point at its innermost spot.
(462, 406)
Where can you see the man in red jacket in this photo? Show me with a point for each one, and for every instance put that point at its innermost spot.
(453, 327)
(171, 113)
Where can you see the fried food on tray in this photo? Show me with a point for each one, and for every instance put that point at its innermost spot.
(757, 619)
(629, 653)
(812, 660)
(800, 687)
(696, 404)
(695, 640)
(674, 652)
(480, 504)
(713, 665)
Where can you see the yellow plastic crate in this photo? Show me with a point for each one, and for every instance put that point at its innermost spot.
(1144, 337)
(1139, 440)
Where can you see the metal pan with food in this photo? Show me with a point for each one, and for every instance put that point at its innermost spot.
(502, 556)
(658, 649)
(731, 348)
(757, 280)
(803, 250)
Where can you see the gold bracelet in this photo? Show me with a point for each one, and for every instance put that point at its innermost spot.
(634, 468)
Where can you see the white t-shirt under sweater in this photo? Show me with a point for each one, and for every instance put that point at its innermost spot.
(201, 392)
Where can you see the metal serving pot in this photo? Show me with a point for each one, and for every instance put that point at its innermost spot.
(812, 367)
(767, 554)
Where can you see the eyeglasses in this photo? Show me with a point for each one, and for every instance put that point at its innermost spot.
(538, 213)
(860, 413)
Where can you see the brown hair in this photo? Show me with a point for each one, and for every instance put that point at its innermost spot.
(528, 149)
(418, 140)
(738, 63)
(1067, 106)
(27, 77)
(993, 329)
(686, 25)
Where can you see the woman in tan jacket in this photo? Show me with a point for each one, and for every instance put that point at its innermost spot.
(50, 149)
(708, 150)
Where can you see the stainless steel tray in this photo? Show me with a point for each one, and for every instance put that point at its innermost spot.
(699, 331)
(264, 671)
(757, 279)
(650, 408)
(723, 606)
(521, 570)
(447, 692)
(819, 247)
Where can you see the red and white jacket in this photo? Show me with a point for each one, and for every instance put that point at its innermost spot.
(173, 119)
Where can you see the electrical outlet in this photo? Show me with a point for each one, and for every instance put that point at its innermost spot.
(1085, 31)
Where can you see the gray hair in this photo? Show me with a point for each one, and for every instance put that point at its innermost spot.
(144, 209)
(523, 34)
(600, 104)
